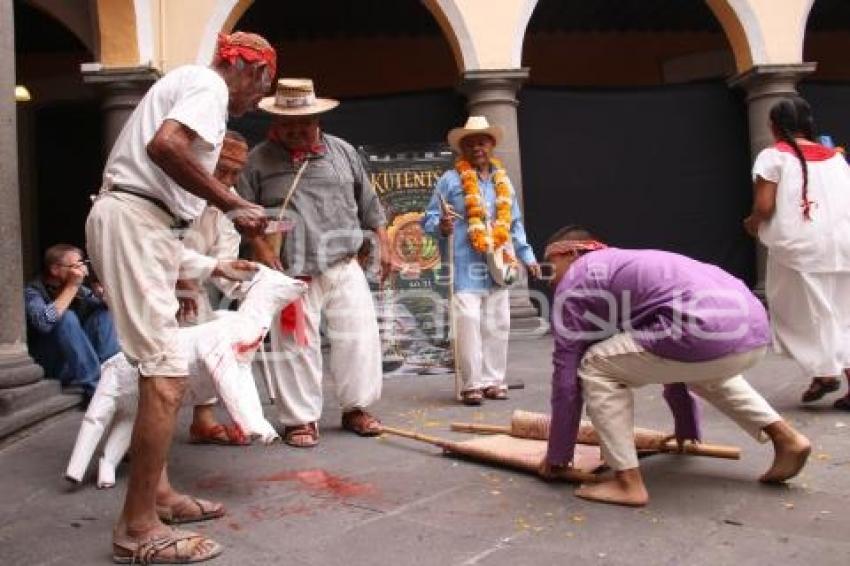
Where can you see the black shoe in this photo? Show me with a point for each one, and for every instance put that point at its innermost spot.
(818, 388)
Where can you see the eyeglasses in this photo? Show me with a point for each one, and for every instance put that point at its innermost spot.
(77, 264)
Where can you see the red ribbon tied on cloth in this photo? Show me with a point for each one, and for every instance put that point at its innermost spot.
(248, 46)
(294, 322)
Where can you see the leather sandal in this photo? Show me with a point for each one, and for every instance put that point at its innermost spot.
(218, 434)
(192, 510)
(471, 397)
(301, 436)
(819, 387)
(188, 548)
(843, 403)
(361, 423)
(496, 392)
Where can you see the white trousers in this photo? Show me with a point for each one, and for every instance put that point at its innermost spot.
(137, 257)
(483, 324)
(342, 297)
(611, 368)
(810, 317)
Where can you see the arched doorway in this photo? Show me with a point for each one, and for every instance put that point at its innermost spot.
(387, 61)
(59, 133)
(628, 125)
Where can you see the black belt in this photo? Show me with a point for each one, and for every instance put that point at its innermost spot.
(178, 223)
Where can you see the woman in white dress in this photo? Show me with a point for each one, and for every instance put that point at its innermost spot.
(801, 213)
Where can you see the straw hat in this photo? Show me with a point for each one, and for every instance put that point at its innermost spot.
(475, 125)
(296, 97)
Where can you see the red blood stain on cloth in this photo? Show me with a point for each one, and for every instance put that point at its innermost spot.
(321, 481)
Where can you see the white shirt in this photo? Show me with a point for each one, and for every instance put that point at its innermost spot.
(196, 97)
(821, 244)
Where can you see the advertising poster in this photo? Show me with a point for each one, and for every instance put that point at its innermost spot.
(412, 306)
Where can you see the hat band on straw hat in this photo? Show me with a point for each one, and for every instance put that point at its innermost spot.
(299, 101)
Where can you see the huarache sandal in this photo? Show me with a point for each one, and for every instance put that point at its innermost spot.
(819, 387)
(471, 397)
(361, 423)
(843, 403)
(496, 392)
(301, 436)
(218, 434)
(190, 510)
(174, 547)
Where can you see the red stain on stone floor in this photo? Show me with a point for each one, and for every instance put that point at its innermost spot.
(235, 526)
(321, 481)
(214, 482)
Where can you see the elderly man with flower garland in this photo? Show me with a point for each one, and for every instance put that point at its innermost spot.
(476, 202)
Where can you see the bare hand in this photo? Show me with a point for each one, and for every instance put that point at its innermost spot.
(235, 269)
(751, 225)
(76, 275)
(386, 264)
(447, 220)
(187, 295)
(551, 472)
(249, 219)
(98, 289)
(534, 270)
(264, 254)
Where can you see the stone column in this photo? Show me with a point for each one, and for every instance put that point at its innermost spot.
(764, 86)
(493, 94)
(121, 90)
(24, 397)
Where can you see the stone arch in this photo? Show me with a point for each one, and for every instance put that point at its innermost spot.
(481, 38)
(763, 32)
(224, 16)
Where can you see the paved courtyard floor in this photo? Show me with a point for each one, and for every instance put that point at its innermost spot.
(391, 501)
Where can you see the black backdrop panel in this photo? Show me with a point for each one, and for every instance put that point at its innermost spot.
(831, 108)
(420, 118)
(665, 168)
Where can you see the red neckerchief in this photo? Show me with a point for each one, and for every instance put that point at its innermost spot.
(811, 152)
(298, 155)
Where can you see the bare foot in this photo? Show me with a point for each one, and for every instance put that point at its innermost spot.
(792, 450)
(625, 489)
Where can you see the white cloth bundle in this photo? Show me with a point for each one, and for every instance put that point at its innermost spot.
(220, 354)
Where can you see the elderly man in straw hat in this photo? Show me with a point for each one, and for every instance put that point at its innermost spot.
(157, 179)
(322, 192)
(477, 203)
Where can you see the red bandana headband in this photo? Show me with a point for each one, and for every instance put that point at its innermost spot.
(568, 246)
(248, 46)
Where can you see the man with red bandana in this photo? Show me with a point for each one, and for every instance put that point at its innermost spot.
(158, 179)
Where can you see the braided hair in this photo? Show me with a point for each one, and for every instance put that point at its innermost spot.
(792, 118)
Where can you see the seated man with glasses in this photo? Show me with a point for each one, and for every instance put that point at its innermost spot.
(69, 329)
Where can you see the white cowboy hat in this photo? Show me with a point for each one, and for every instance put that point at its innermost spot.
(475, 125)
(296, 97)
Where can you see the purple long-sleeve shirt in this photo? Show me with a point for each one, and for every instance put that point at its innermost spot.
(673, 306)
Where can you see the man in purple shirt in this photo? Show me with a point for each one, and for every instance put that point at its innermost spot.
(627, 318)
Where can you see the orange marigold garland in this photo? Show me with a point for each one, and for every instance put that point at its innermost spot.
(482, 237)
